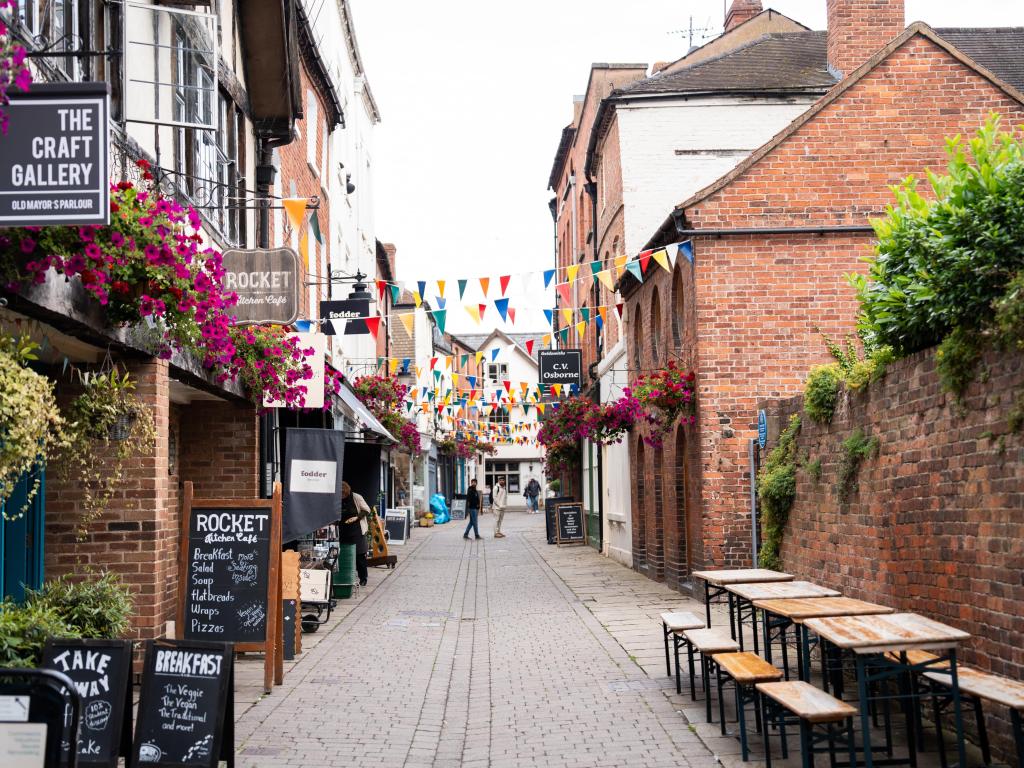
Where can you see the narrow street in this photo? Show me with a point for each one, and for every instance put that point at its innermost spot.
(472, 653)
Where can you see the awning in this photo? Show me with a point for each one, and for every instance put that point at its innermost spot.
(361, 413)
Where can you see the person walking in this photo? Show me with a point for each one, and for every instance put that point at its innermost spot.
(473, 510)
(531, 493)
(499, 498)
(353, 527)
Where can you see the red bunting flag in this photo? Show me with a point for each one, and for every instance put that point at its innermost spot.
(372, 325)
(503, 281)
(645, 259)
(562, 289)
(529, 347)
(482, 306)
(433, 362)
(381, 287)
(507, 385)
(512, 315)
(618, 308)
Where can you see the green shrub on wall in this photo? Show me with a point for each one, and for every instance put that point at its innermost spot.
(776, 490)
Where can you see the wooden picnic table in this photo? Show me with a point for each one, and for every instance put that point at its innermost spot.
(794, 611)
(716, 581)
(741, 597)
(880, 644)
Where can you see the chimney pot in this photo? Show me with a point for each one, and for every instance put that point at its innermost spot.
(741, 11)
(857, 29)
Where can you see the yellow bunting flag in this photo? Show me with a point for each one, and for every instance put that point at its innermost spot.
(661, 256)
(581, 328)
(393, 365)
(408, 319)
(440, 288)
(474, 311)
(605, 276)
(455, 380)
(620, 264)
(546, 339)
(571, 272)
(557, 389)
(479, 357)
(417, 298)
(295, 207)
(541, 407)
(304, 249)
(567, 314)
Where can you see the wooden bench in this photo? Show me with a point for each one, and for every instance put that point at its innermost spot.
(746, 670)
(675, 623)
(705, 642)
(975, 686)
(812, 706)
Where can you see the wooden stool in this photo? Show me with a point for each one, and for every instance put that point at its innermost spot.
(706, 642)
(673, 625)
(746, 670)
(812, 706)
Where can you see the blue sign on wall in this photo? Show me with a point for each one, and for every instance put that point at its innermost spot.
(762, 429)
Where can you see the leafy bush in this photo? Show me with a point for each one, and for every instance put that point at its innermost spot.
(856, 448)
(100, 608)
(822, 391)
(24, 630)
(947, 264)
(776, 490)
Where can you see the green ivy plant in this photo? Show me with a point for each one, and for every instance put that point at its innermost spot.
(776, 490)
(857, 447)
(107, 426)
(821, 392)
(31, 427)
(948, 268)
(24, 630)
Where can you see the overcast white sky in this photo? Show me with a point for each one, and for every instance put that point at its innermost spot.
(474, 93)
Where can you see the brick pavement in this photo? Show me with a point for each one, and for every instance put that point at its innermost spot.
(470, 654)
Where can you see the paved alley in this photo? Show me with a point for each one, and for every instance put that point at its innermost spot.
(471, 653)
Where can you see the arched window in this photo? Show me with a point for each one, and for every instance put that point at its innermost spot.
(677, 308)
(640, 518)
(655, 326)
(637, 340)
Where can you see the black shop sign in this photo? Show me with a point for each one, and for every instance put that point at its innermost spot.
(569, 518)
(54, 158)
(101, 673)
(347, 310)
(186, 710)
(561, 366)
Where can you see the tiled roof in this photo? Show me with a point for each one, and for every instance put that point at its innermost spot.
(776, 62)
(998, 49)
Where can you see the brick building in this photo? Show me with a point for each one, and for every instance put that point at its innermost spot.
(772, 241)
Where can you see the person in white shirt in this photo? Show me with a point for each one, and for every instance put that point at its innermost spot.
(499, 498)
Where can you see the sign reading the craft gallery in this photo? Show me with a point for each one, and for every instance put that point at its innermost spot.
(101, 673)
(53, 160)
(267, 284)
(185, 715)
(561, 366)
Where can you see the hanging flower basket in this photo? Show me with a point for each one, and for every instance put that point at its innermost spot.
(667, 395)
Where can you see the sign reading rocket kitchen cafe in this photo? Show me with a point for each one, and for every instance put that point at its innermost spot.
(53, 160)
(267, 284)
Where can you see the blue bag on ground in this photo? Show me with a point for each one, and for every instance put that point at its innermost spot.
(440, 509)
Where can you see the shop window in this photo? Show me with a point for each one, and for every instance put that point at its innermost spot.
(59, 25)
(507, 469)
(497, 372)
(499, 416)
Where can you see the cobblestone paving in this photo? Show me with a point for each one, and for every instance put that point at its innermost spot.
(471, 653)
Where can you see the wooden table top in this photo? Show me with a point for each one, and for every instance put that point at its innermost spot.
(891, 632)
(818, 607)
(741, 576)
(794, 590)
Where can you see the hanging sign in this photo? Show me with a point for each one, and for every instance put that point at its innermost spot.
(230, 573)
(561, 366)
(352, 312)
(313, 462)
(186, 709)
(101, 673)
(53, 160)
(762, 429)
(267, 284)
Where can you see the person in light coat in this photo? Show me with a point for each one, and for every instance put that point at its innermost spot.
(500, 498)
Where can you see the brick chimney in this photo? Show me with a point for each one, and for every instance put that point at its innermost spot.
(740, 11)
(857, 29)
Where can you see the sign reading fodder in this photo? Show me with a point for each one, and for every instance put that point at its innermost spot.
(267, 284)
(53, 160)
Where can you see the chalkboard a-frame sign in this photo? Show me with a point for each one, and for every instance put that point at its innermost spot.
(186, 713)
(101, 672)
(230, 576)
(569, 523)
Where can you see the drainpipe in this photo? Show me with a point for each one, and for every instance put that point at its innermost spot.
(591, 189)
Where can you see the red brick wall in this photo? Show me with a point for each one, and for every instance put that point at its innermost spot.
(220, 449)
(859, 28)
(755, 305)
(935, 526)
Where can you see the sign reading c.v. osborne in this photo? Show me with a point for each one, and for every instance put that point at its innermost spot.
(561, 366)
(54, 158)
(267, 284)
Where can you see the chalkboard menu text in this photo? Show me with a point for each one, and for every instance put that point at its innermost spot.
(101, 673)
(230, 572)
(570, 523)
(186, 710)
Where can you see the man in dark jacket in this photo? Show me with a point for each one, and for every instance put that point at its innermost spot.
(473, 509)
